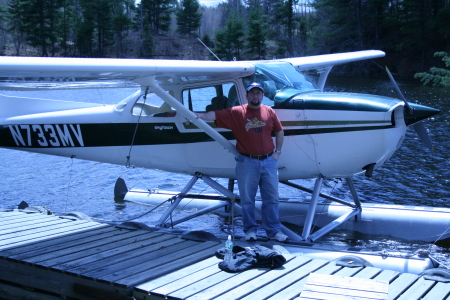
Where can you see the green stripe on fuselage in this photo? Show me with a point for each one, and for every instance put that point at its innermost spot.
(125, 134)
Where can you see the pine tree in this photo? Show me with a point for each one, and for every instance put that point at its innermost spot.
(230, 40)
(223, 47)
(15, 26)
(95, 31)
(39, 22)
(156, 13)
(104, 26)
(256, 34)
(86, 29)
(437, 76)
(121, 23)
(67, 26)
(208, 41)
(188, 17)
(142, 25)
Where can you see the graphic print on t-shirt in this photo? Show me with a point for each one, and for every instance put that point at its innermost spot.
(255, 124)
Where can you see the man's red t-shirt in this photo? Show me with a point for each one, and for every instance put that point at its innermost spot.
(251, 127)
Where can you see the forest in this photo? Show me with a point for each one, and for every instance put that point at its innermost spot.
(409, 31)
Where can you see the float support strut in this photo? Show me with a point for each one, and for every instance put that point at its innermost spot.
(356, 210)
(353, 192)
(177, 201)
(312, 208)
(224, 191)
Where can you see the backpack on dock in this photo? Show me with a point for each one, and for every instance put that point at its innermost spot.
(250, 257)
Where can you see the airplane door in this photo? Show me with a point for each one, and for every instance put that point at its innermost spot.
(200, 150)
(299, 155)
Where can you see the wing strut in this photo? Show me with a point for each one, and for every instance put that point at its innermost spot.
(154, 87)
(307, 228)
(323, 77)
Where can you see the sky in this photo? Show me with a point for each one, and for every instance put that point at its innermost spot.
(210, 2)
(202, 2)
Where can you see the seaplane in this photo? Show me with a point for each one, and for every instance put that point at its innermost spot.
(327, 134)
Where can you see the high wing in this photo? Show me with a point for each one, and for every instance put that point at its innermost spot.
(18, 73)
(329, 60)
(324, 63)
(65, 73)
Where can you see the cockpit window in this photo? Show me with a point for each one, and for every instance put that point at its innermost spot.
(210, 98)
(152, 105)
(122, 104)
(280, 81)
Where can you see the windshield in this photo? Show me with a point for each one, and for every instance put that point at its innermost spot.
(280, 81)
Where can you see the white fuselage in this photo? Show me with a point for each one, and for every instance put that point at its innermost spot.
(330, 143)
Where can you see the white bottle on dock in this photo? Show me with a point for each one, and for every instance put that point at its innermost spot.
(228, 249)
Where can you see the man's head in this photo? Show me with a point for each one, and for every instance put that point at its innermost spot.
(255, 94)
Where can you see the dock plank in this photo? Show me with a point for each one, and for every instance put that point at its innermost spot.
(420, 287)
(216, 284)
(17, 216)
(387, 275)
(215, 279)
(114, 259)
(195, 283)
(368, 273)
(322, 286)
(56, 243)
(46, 234)
(15, 225)
(146, 287)
(439, 291)
(179, 259)
(228, 285)
(348, 272)
(253, 285)
(114, 254)
(284, 282)
(401, 284)
(295, 289)
(94, 268)
(137, 258)
(35, 227)
(81, 250)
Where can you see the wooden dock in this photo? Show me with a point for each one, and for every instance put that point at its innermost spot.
(48, 257)
(45, 254)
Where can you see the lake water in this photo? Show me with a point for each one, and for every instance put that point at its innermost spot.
(413, 176)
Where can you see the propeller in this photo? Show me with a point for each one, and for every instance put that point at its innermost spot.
(419, 127)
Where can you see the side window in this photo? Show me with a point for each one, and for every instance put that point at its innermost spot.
(211, 97)
(152, 106)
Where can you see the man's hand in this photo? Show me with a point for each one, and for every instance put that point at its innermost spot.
(276, 155)
(209, 116)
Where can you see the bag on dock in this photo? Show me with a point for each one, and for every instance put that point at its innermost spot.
(250, 257)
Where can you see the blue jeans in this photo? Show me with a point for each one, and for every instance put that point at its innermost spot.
(250, 174)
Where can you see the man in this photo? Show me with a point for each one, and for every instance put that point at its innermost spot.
(252, 125)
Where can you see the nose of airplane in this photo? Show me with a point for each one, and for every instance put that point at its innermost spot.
(420, 112)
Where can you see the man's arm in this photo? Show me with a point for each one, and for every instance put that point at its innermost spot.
(208, 116)
(279, 138)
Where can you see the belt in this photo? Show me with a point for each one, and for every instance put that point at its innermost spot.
(258, 157)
